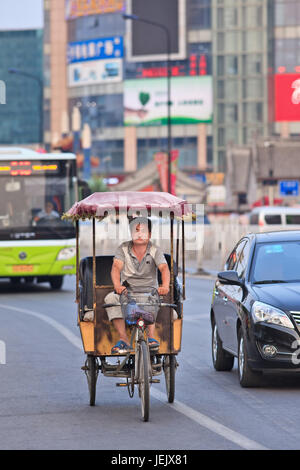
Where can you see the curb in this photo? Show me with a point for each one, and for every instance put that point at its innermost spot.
(202, 274)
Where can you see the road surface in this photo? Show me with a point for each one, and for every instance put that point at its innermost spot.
(44, 401)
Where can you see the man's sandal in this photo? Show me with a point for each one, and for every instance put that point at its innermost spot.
(121, 347)
(153, 343)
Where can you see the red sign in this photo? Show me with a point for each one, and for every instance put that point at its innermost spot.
(161, 159)
(197, 65)
(287, 97)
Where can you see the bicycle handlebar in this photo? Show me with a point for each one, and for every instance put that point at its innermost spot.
(161, 304)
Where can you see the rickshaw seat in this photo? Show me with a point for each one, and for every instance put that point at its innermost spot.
(103, 269)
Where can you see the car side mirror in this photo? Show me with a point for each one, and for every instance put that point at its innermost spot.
(230, 278)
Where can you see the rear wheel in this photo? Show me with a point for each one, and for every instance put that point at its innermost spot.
(169, 370)
(91, 371)
(247, 377)
(143, 380)
(222, 360)
(56, 282)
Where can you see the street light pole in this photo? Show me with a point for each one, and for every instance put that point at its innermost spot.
(41, 99)
(168, 41)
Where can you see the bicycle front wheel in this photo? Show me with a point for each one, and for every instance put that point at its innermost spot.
(143, 380)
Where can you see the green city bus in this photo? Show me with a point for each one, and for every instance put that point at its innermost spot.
(35, 190)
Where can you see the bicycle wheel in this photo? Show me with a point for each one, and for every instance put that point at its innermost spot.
(143, 380)
(169, 370)
(91, 373)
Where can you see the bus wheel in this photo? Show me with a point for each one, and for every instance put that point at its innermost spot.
(15, 281)
(56, 282)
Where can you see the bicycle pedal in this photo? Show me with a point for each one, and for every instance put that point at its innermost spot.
(156, 366)
(84, 368)
(121, 384)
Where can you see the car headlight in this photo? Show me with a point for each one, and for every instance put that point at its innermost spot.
(66, 253)
(266, 313)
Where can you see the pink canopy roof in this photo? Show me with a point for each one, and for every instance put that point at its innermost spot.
(97, 204)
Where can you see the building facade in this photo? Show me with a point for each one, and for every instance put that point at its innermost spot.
(125, 148)
(55, 74)
(240, 61)
(244, 45)
(21, 52)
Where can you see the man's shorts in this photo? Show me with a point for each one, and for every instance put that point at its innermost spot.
(116, 312)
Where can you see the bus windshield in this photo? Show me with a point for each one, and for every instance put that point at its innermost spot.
(33, 199)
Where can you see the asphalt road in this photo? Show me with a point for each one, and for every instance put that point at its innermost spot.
(44, 401)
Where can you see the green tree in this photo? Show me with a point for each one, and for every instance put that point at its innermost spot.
(97, 184)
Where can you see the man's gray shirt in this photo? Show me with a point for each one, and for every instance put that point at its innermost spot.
(144, 273)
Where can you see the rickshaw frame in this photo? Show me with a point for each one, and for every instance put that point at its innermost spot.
(165, 358)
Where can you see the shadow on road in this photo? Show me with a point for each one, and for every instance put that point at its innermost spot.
(282, 381)
(6, 287)
(268, 381)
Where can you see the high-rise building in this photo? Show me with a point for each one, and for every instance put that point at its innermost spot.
(55, 74)
(256, 64)
(240, 62)
(21, 52)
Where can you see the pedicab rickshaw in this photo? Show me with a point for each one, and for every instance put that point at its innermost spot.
(93, 282)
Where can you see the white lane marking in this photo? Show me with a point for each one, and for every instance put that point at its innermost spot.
(209, 423)
(75, 340)
(180, 407)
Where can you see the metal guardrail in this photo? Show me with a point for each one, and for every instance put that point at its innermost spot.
(211, 247)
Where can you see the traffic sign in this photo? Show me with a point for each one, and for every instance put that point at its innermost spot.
(289, 188)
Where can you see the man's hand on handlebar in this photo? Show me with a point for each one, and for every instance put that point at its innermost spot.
(163, 290)
(120, 289)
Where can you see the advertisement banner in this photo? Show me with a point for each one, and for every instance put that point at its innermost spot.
(145, 101)
(95, 49)
(78, 8)
(95, 72)
(287, 97)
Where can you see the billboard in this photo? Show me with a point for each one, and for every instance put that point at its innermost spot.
(145, 101)
(95, 61)
(95, 72)
(95, 49)
(287, 97)
(79, 8)
(147, 40)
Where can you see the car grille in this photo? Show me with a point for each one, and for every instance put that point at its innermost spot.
(296, 317)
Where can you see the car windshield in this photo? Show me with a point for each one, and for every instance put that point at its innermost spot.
(276, 262)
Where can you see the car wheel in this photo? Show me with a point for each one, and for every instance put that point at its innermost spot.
(247, 377)
(222, 360)
(56, 282)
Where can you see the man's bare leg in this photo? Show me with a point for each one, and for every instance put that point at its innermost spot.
(151, 330)
(119, 324)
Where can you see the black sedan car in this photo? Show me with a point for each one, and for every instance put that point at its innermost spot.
(255, 311)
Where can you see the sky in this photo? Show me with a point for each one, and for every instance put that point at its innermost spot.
(21, 14)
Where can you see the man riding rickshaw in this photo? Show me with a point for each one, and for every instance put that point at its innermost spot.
(130, 303)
